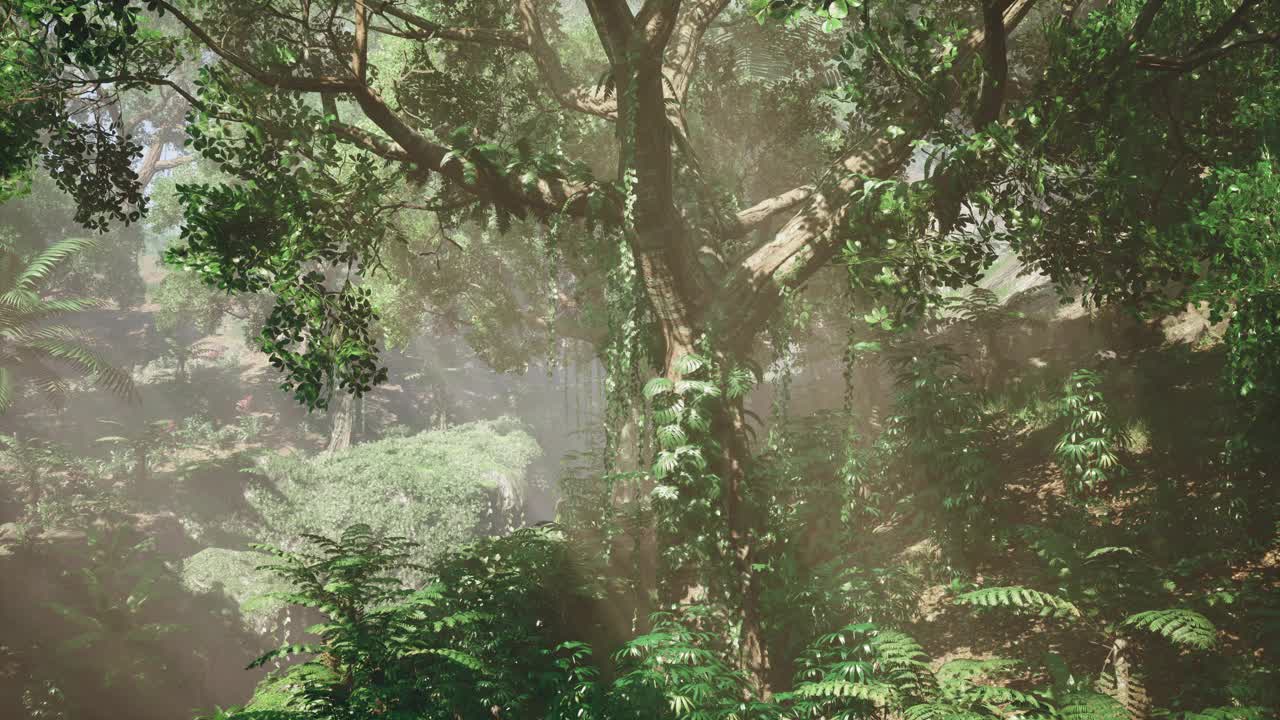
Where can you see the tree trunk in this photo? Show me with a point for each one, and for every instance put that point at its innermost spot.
(340, 423)
(744, 522)
(677, 287)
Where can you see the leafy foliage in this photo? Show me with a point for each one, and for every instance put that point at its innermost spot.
(439, 488)
(1183, 627)
(1018, 597)
(1087, 450)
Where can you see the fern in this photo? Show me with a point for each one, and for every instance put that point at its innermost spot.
(1088, 705)
(27, 345)
(940, 711)
(880, 693)
(958, 673)
(1180, 626)
(1020, 598)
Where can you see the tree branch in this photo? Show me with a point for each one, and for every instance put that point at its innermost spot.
(760, 213)
(1143, 23)
(427, 30)
(276, 80)
(552, 71)
(682, 51)
(1181, 65)
(360, 49)
(811, 238)
(543, 197)
(152, 164)
(656, 20)
(1213, 46)
(995, 66)
(614, 25)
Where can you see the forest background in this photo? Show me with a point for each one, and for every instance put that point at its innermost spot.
(653, 359)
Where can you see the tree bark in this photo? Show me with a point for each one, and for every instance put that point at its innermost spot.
(340, 423)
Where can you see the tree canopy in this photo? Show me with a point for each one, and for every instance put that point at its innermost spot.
(673, 183)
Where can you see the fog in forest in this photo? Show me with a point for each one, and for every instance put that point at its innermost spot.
(678, 359)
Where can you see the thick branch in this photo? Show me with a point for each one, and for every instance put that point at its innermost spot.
(552, 71)
(426, 30)
(760, 213)
(360, 49)
(1191, 62)
(682, 50)
(656, 20)
(365, 140)
(1224, 31)
(153, 164)
(1213, 45)
(995, 66)
(812, 237)
(614, 25)
(1143, 23)
(276, 80)
(544, 197)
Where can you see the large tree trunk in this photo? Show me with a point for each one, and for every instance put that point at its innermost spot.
(340, 423)
(744, 522)
(677, 286)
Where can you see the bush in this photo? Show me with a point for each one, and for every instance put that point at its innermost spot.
(236, 574)
(439, 489)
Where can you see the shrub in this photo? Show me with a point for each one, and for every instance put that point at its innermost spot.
(439, 489)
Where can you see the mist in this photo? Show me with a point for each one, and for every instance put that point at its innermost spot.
(699, 359)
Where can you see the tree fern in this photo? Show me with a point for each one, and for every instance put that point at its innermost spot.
(1019, 598)
(1180, 626)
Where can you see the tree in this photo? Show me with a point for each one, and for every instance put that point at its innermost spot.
(1090, 138)
(32, 348)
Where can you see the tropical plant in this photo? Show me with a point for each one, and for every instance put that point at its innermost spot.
(1087, 451)
(32, 348)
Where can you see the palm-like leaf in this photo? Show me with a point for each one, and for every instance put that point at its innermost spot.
(28, 346)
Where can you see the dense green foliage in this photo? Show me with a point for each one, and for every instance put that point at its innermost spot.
(1012, 510)
(437, 488)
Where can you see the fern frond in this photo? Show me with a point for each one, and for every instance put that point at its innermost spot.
(963, 670)
(879, 693)
(40, 267)
(1085, 705)
(1020, 598)
(939, 711)
(1100, 552)
(468, 661)
(1181, 626)
(87, 361)
(6, 390)
(897, 648)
